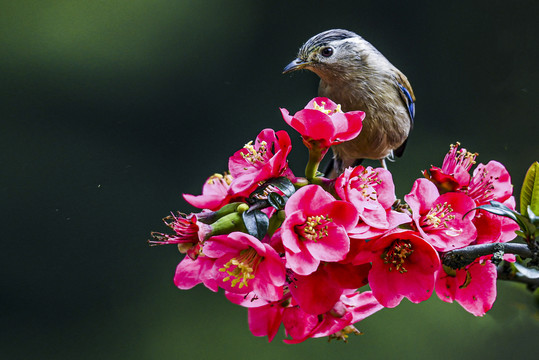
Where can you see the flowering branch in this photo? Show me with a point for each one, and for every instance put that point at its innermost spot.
(298, 252)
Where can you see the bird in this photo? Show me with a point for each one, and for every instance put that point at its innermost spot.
(354, 74)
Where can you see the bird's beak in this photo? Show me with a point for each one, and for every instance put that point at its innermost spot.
(295, 65)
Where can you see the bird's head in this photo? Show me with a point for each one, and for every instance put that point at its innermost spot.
(330, 52)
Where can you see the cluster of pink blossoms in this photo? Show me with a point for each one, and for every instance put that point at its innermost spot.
(300, 251)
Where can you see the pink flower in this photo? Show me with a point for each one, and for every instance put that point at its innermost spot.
(323, 121)
(489, 182)
(266, 320)
(263, 160)
(214, 193)
(473, 287)
(264, 317)
(244, 265)
(318, 292)
(492, 182)
(336, 323)
(315, 229)
(454, 173)
(190, 233)
(440, 218)
(403, 265)
(370, 190)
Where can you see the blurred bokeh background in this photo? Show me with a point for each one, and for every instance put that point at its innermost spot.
(109, 110)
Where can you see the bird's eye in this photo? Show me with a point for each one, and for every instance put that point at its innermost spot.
(327, 52)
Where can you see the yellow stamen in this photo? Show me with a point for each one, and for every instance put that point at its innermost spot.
(315, 227)
(218, 178)
(396, 254)
(254, 155)
(324, 110)
(439, 216)
(241, 269)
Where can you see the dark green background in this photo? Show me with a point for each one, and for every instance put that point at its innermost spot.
(111, 109)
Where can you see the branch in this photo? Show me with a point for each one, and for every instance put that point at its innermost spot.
(459, 258)
(505, 273)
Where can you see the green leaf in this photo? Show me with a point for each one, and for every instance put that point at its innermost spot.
(256, 223)
(261, 194)
(283, 184)
(534, 219)
(529, 195)
(277, 201)
(529, 273)
(498, 208)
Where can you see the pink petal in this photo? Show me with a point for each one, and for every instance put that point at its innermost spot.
(302, 263)
(459, 231)
(446, 286)
(460, 203)
(354, 124)
(243, 240)
(328, 103)
(212, 202)
(309, 199)
(313, 124)
(417, 284)
(218, 246)
(384, 286)
(331, 324)
(501, 180)
(422, 196)
(316, 293)
(265, 320)
(386, 189)
(248, 301)
(264, 289)
(396, 218)
(478, 296)
(363, 305)
(297, 323)
(289, 237)
(286, 116)
(489, 227)
(192, 272)
(273, 266)
(342, 213)
(376, 217)
(348, 276)
(332, 247)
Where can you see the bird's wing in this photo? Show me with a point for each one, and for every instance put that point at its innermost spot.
(407, 96)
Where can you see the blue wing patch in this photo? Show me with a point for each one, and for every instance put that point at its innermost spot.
(409, 101)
